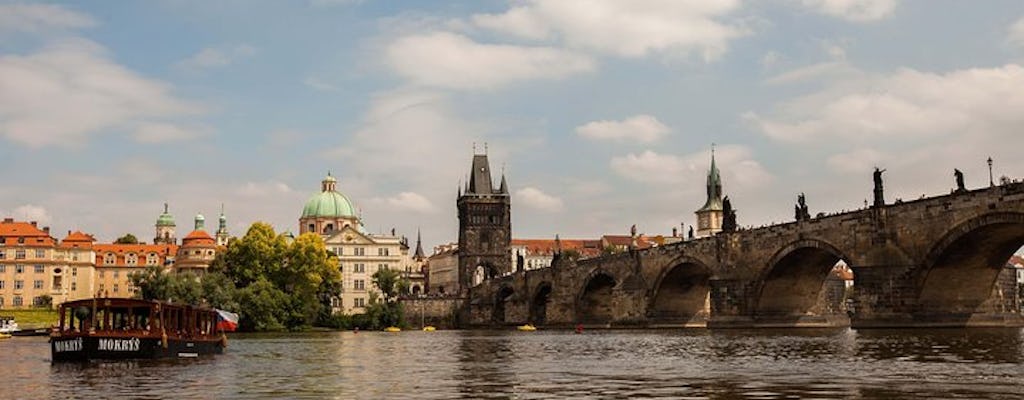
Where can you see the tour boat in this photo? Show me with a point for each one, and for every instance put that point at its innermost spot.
(392, 329)
(429, 328)
(7, 325)
(107, 328)
(527, 328)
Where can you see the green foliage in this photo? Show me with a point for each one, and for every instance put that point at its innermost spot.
(387, 311)
(46, 301)
(571, 254)
(273, 284)
(127, 239)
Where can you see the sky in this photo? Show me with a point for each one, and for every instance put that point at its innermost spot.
(601, 113)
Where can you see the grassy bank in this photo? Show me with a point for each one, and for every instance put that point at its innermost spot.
(32, 318)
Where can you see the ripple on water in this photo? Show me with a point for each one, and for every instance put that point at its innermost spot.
(830, 364)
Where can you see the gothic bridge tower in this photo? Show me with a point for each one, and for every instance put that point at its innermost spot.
(485, 227)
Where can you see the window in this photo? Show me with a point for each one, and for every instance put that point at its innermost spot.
(17, 301)
(1, 301)
(37, 301)
(74, 256)
(18, 285)
(382, 251)
(40, 269)
(101, 287)
(339, 250)
(360, 268)
(131, 259)
(40, 253)
(74, 271)
(19, 254)
(19, 269)
(74, 286)
(109, 259)
(115, 288)
(103, 273)
(360, 302)
(3, 254)
(3, 268)
(117, 274)
(152, 259)
(37, 284)
(359, 284)
(381, 267)
(360, 251)
(3, 284)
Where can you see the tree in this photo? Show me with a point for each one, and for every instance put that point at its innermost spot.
(260, 253)
(389, 311)
(263, 307)
(127, 239)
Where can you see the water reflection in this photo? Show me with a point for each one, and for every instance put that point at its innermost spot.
(761, 364)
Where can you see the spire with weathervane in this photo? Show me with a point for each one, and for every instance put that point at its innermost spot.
(222, 228)
(418, 255)
(709, 217)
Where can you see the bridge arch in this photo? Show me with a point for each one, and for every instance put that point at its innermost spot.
(501, 298)
(681, 292)
(960, 270)
(594, 302)
(793, 278)
(539, 303)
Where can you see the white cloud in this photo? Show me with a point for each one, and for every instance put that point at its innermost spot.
(531, 197)
(770, 58)
(815, 72)
(639, 128)
(856, 161)
(1016, 33)
(31, 212)
(448, 60)
(71, 89)
(907, 104)
(410, 201)
(156, 133)
(854, 10)
(735, 162)
(263, 189)
(626, 28)
(320, 85)
(41, 18)
(211, 57)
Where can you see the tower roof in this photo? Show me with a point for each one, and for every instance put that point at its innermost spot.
(165, 219)
(419, 247)
(714, 188)
(480, 176)
(329, 202)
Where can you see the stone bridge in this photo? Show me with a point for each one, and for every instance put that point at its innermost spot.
(932, 262)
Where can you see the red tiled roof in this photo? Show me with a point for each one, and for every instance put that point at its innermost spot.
(642, 241)
(198, 238)
(548, 246)
(1016, 260)
(141, 249)
(78, 239)
(11, 231)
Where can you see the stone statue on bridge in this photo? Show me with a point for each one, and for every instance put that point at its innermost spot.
(959, 180)
(689, 235)
(728, 216)
(519, 261)
(879, 193)
(800, 209)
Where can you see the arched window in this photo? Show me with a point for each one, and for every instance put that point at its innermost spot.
(312, 228)
(329, 228)
(109, 259)
(152, 259)
(131, 259)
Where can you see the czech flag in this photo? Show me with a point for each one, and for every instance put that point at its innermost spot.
(227, 321)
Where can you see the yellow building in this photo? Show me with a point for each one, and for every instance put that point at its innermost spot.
(29, 270)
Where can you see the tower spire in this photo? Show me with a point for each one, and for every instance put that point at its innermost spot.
(419, 246)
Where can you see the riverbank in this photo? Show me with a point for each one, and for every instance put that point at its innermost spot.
(33, 318)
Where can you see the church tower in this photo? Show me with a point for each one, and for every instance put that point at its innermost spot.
(222, 229)
(165, 228)
(485, 227)
(709, 217)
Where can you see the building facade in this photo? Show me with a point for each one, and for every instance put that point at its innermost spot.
(485, 227)
(710, 216)
(360, 254)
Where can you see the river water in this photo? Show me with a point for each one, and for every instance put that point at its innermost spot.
(677, 364)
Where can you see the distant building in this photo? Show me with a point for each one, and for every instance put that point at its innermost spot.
(538, 253)
(29, 265)
(360, 254)
(443, 270)
(710, 216)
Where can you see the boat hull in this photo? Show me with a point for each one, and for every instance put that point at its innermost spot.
(84, 348)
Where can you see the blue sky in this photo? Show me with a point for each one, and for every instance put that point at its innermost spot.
(601, 112)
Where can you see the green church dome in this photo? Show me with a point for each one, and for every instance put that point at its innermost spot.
(165, 219)
(328, 203)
